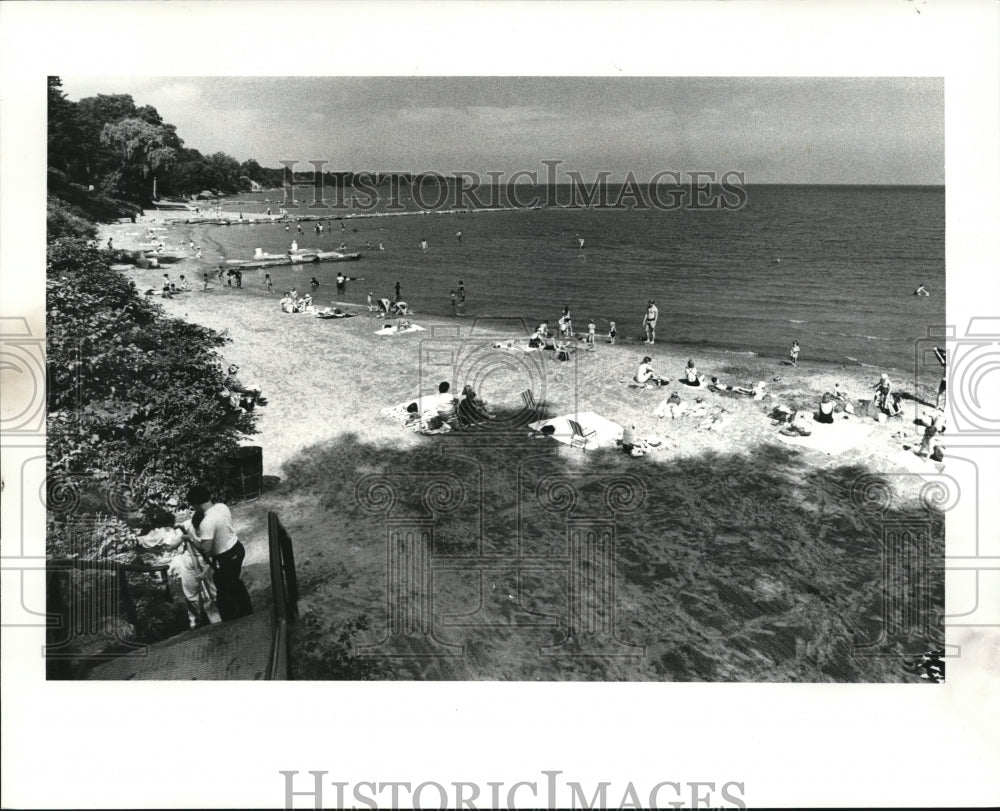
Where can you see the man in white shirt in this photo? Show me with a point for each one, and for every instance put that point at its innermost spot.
(213, 525)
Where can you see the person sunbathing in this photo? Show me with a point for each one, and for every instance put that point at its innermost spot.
(645, 374)
(631, 444)
(537, 339)
(826, 406)
(798, 425)
(756, 391)
(673, 405)
(249, 395)
(691, 376)
(931, 441)
(445, 402)
(471, 408)
(562, 350)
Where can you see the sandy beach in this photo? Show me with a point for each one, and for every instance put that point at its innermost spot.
(323, 431)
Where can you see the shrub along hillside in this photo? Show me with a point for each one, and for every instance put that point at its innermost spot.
(133, 396)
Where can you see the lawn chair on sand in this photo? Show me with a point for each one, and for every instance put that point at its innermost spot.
(580, 437)
(529, 402)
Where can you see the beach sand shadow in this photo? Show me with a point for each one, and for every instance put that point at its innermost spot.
(727, 568)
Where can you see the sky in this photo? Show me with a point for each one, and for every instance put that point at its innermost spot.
(775, 130)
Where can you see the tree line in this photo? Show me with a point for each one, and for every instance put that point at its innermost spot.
(109, 143)
(135, 397)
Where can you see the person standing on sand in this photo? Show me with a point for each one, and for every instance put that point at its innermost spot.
(222, 272)
(591, 334)
(206, 282)
(397, 291)
(566, 323)
(649, 322)
(612, 333)
(454, 300)
(793, 354)
(217, 540)
(239, 278)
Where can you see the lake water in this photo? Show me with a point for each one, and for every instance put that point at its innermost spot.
(833, 267)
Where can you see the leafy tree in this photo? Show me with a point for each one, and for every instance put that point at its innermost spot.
(141, 149)
(63, 130)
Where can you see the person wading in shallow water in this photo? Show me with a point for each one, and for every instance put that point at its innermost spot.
(218, 541)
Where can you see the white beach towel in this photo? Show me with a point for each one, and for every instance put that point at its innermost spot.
(608, 433)
(516, 346)
(832, 438)
(400, 414)
(390, 329)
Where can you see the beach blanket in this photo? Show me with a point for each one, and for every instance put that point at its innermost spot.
(914, 464)
(608, 433)
(390, 329)
(398, 413)
(516, 346)
(832, 438)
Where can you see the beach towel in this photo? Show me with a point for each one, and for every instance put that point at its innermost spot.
(390, 329)
(606, 433)
(516, 346)
(832, 438)
(398, 413)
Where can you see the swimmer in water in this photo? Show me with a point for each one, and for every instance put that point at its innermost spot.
(921, 291)
(581, 243)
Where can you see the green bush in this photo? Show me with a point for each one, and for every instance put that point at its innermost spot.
(64, 220)
(133, 396)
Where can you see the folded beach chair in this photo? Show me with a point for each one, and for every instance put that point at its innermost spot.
(580, 437)
(530, 403)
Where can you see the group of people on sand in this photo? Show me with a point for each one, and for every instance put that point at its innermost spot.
(291, 302)
(384, 308)
(562, 343)
(170, 288)
(443, 412)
